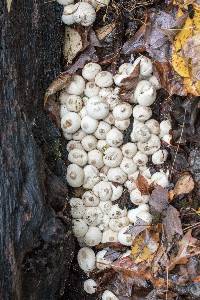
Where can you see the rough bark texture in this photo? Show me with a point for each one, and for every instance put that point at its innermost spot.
(36, 247)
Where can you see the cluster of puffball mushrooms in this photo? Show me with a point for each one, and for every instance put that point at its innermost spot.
(94, 120)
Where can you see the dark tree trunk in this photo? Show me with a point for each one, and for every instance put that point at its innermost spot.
(36, 247)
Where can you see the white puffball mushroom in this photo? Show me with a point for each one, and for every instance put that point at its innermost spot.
(76, 86)
(159, 157)
(91, 176)
(93, 236)
(89, 143)
(75, 175)
(109, 236)
(77, 208)
(90, 199)
(90, 71)
(140, 159)
(102, 130)
(116, 212)
(91, 89)
(122, 124)
(104, 79)
(108, 295)
(145, 93)
(71, 122)
(160, 178)
(79, 135)
(130, 185)
(97, 108)
(74, 103)
(146, 67)
(63, 110)
(106, 92)
(125, 238)
(105, 222)
(145, 216)
(151, 146)
(129, 150)
(95, 158)
(114, 137)
(154, 80)
(105, 206)
(112, 157)
(78, 157)
(142, 113)
(102, 145)
(101, 262)
(67, 136)
(125, 68)
(153, 126)
(165, 127)
(103, 190)
(86, 259)
(128, 166)
(117, 175)
(68, 14)
(89, 125)
(141, 132)
(90, 286)
(134, 213)
(117, 191)
(118, 224)
(79, 228)
(122, 111)
(167, 139)
(84, 13)
(93, 216)
(137, 198)
(71, 145)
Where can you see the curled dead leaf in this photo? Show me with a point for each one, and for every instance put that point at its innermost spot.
(159, 199)
(104, 31)
(184, 185)
(142, 185)
(172, 223)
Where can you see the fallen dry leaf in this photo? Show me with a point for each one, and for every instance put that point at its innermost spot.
(159, 199)
(9, 2)
(111, 254)
(135, 230)
(129, 83)
(184, 185)
(187, 248)
(142, 185)
(72, 44)
(172, 223)
(104, 31)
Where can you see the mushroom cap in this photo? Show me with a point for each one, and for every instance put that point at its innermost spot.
(93, 236)
(104, 79)
(86, 259)
(90, 286)
(75, 175)
(84, 14)
(90, 70)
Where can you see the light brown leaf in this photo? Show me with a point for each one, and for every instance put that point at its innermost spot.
(159, 199)
(142, 185)
(72, 44)
(184, 185)
(105, 30)
(172, 223)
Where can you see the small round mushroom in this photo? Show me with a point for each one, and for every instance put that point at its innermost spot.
(89, 143)
(95, 158)
(93, 216)
(117, 175)
(79, 228)
(91, 176)
(141, 132)
(122, 111)
(77, 208)
(71, 122)
(86, 259)
(122, 124)
(76, 86)
(68, 14)
(67, 136)
(97, 108)
(84, 13)
(101, 262)
(129, 150)
(116, 212)
(125, 69)
(146, 67)
(130, 185)
(137, 198)
(105, 206)
(102, 129)
(133, 177)
(159, 157)
(71, 145)
(90, 286)
(125, 238)
(79, 135)
(103, 190)
(145, 93)
(93, 236)
(140, 159)
(153, 126)
(102, 145)
(109, 236)
(145, 216)
(104, 79)
(75, 175)
(65, 2)
(165, 127)
(91, 89)
(117, 191)
(89, 125)
(112, 157)
(154, 80)
(160, 178)
(142, 113)
(151, 146)
(118, 224)
(133, 214)
(108, 295)
(90, 199)
(106, 92)
(128, 166)
(90, 71)
(78, 157)
(74, 103)
(114, 137)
